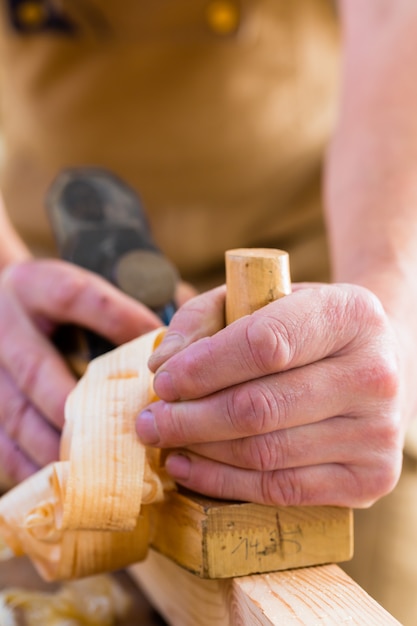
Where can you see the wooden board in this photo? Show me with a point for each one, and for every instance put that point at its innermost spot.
(322, 595)
(218, 539)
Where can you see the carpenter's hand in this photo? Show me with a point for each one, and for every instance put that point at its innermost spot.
(35, 296)
(295, 404)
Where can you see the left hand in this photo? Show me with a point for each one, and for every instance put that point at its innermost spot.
(297, 404)
(35, 297)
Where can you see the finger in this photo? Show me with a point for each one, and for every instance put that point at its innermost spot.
(335, 440)
(199, 317)
(31, 361)
(299, 396)
(67, 293)
(326, 484)
(301, 328)
(202, 317)
(22, 423)
(14, 463)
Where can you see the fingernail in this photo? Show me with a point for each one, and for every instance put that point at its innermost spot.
(164, 386)
(178, 466)
(146, 428)
(171, 343)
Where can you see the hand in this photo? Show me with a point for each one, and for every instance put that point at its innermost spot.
(35, 296)
(297, 404)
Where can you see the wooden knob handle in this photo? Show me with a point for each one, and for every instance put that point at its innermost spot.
(254, 277)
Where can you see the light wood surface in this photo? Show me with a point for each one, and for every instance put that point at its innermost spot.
(315, 596)
(254, 278)
(217, 539)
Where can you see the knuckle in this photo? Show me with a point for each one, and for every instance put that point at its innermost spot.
(27, 371)
(270, 344)
(173, 425)
(381, 377)
(369, 485)
(200, 363)
(264, 453)
(387, 477)
(282, 487)
(378, 474)
(14, 415)
(215, 482)
(362, 304)
(252, 409)
(390, 433)
(388, 459)
(358, 310)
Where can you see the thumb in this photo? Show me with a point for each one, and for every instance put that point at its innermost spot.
(202, 316)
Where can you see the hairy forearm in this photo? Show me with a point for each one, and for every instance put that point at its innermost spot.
(371, 183)
(371, 180)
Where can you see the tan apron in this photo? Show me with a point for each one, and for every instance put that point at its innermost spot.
(215, 111)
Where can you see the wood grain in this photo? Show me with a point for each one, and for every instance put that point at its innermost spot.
(254, 278)
(218, 539)
(322, 595)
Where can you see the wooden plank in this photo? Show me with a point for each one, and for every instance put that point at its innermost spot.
(322, 595)
(219, 539)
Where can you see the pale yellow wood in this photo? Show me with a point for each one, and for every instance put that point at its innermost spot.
(217, 539)
(84, 514)
(322, 595)
(254, 278)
